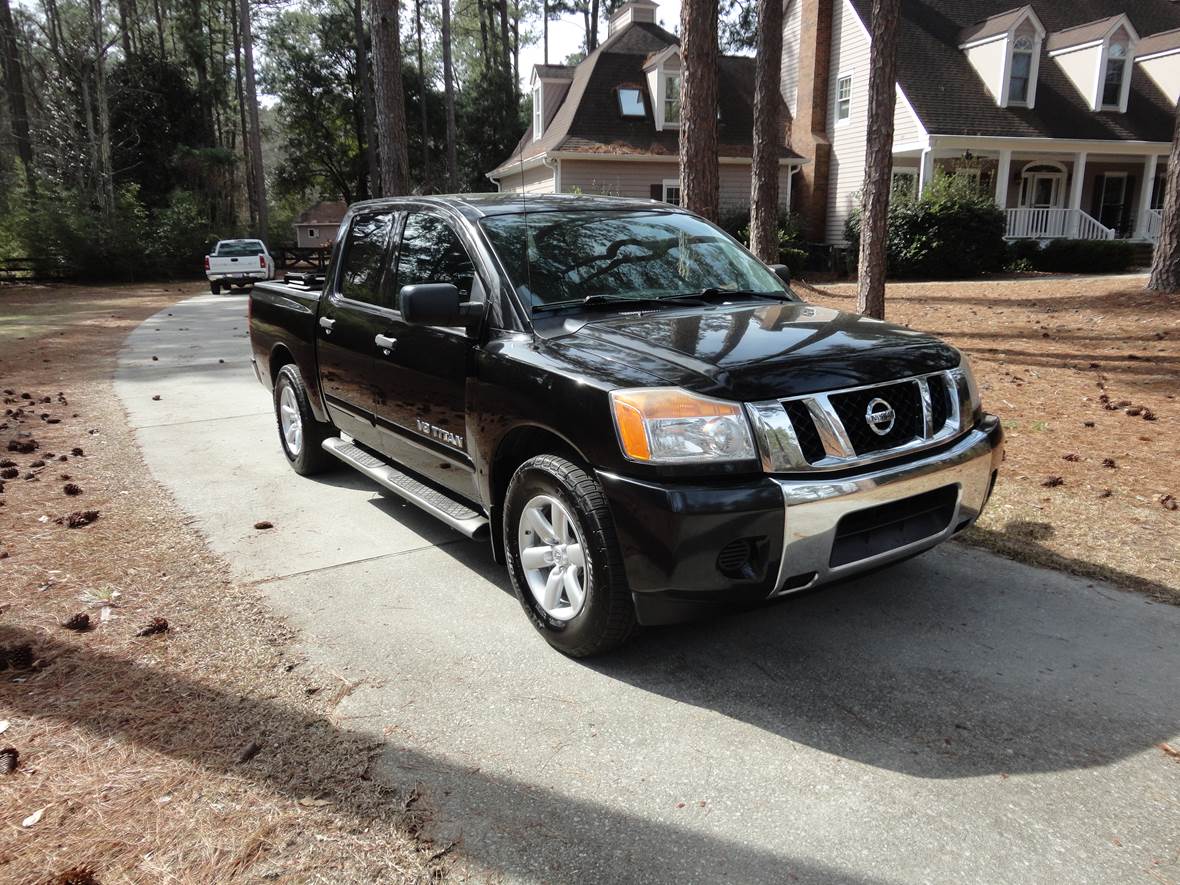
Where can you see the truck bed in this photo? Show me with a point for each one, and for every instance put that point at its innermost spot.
(283, 326)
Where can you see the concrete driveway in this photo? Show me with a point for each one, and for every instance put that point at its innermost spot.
(957, 718)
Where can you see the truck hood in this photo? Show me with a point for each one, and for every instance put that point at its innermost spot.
(763, 351)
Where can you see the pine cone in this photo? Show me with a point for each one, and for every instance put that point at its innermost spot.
(79, 622)
(157, 625)
(72, 489)
(77, 452)
(9, 473)
(18, 657)
(77, 519)
(9, 758)
(75, 876)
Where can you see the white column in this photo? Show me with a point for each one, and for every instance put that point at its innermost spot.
(1075, 191)
(926, 170)
(1003, 171)
(1150, 164)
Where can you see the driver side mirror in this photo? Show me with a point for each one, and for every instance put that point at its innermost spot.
(437, 304)
(782, 272)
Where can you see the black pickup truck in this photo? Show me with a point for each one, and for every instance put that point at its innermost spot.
(645, 420)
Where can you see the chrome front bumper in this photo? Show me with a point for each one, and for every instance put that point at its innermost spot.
(814, 507)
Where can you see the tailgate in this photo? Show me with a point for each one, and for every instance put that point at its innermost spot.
(234, 264)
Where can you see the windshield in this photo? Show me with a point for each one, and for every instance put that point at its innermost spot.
(238, 248)
(556, 258)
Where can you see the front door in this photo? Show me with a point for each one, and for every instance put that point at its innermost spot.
(420, 378)
(349, 319)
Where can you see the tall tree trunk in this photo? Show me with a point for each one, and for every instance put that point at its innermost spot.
(239, 89)
(516, 52)
(592, 37)
(699, 172)
(362, 74)
(1165, 266)
(14, 89)
(449, 98)
(160, 29)
(545, 29)
(768, 132)
(422, 97)
(256, 170)
(391, 102)
(505, 42)
(194, 29)
(125, 21)
(483, 29)
(102, 114)
(874, 218)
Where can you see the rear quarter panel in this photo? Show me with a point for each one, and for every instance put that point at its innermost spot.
(283, 329)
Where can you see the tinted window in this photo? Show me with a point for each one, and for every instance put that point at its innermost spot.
(238, 248)
(360, 272)
(432, 253)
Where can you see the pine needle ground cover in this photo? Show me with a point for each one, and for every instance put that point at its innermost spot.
(162, 729)
(1085, 374)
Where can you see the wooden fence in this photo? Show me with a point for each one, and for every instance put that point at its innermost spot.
(300, 258)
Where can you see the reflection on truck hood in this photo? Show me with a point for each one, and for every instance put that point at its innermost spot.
(767, 351)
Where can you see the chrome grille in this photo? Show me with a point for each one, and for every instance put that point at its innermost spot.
(833, 430)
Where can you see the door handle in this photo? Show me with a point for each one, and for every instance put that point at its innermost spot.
(327, 324)
(385, 343)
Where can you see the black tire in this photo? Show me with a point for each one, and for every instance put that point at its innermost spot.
(311, 457)
(607, 617)
(215, 288)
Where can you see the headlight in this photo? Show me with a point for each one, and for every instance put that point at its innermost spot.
(968, 378)
(666, 425)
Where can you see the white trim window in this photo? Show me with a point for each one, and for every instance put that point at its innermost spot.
(671, 99)
(631, 103)
(1116, 72)
(1020, 71)
(672, 191)
(538, 109)
(843, 99)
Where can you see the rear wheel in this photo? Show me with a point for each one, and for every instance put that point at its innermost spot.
(301, 435)
(564, 558)
(215, 288)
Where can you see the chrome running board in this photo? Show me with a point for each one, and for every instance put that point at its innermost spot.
(438, 504)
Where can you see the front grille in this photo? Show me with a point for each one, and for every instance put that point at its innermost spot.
(809, 441)
(906, 402)
(940, 405)
(876, 530)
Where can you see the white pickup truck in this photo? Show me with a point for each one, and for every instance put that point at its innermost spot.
(238, 263)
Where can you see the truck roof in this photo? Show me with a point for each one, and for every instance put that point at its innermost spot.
(476, 206)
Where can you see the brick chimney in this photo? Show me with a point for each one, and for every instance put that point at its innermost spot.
(809, 128)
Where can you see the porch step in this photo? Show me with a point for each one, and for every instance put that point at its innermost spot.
(436, 502)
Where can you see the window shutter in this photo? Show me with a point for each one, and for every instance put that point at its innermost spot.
(657, 192)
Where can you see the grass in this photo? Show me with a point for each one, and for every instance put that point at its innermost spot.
(134, 748)
(1046, 351)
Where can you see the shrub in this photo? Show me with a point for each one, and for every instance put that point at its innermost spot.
(952, 230)
(1084, 256)
(791, 251)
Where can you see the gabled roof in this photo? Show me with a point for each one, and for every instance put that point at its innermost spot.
(553, 72)
(1082, 34)
(950, 99)
(585, 117)
(1166, 41)
(323, 212)
(995, 25)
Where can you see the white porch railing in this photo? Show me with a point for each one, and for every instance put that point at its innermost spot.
(1048, 224)
(1155, 223)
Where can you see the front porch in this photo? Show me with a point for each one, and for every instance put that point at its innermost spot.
(1049, 193)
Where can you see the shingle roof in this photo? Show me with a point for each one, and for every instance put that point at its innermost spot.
(1158, 43)
(323, 212)
(1080, 34)
(993, 26)
(588, 118)
(950, 98)
(555, 72)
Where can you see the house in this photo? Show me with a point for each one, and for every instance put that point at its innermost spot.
(611, 124)
(315, 227)
(1062, 109)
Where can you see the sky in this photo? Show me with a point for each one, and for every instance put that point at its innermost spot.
(567, 33)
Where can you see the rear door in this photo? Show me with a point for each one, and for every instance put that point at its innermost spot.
(350, 319)
(420, 378)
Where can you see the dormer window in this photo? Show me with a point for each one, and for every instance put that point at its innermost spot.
(1116, 72)
(631, 103)
(672, 99)
(1005, 51)
(538, 117)
(1021, 75)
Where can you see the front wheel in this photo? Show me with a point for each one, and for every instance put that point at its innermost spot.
(301, 435)
(564, 558)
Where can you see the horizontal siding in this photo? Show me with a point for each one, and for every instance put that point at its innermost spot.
(850, 56)
(789, 81)
(537, 180)
(621, 178)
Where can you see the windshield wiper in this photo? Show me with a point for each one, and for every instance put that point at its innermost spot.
(716, 292)
(604, 300)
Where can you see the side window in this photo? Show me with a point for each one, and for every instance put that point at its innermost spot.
(364, 251)
(432, 253)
